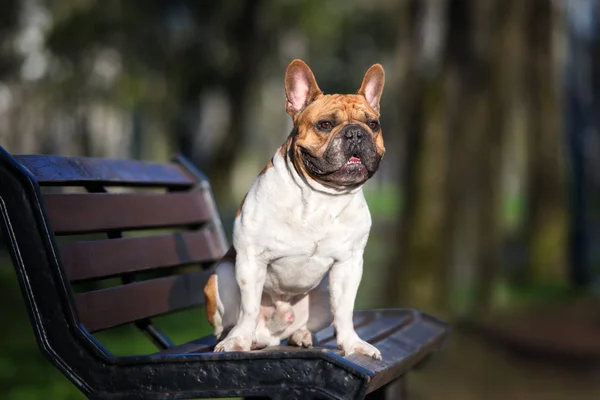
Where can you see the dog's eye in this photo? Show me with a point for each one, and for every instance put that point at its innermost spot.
(325, 125)
(373, 124)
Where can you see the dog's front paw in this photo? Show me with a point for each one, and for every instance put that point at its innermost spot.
(301, 338)
(354, 344)
(235, 343)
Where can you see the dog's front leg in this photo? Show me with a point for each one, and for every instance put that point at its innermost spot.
(250, 276)
(344, 279)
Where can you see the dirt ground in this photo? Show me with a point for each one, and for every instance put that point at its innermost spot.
(471, 369)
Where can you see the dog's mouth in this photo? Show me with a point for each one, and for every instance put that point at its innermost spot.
(354, 166)
(351, 173)
(353, 161)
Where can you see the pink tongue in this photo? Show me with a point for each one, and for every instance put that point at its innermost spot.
(354, 159)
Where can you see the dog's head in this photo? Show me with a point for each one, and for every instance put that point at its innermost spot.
(337, 139)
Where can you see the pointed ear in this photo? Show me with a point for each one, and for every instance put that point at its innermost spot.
(300, 87)
(372, 85)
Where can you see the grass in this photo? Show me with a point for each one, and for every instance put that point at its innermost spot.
(384, 202)
(26, 375)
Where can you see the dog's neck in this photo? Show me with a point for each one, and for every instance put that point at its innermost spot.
(312, 198)
(311, 187)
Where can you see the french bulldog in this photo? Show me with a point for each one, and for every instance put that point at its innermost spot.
(299, 235)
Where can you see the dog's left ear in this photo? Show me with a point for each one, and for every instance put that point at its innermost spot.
(372, 85)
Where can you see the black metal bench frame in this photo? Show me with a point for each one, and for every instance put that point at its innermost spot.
(182, 372)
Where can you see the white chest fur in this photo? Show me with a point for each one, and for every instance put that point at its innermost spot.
(297, 231)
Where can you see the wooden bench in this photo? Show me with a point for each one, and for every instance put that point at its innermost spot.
(44, 199)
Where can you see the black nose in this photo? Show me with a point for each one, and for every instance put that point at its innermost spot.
(354, 133)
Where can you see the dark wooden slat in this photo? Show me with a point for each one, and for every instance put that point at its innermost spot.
(202, 345)
(107, 308)
(371, 327)
(106, 258)
(58, 171)
(100, 212)
(295, 349)
(327, 335)
(381, 327)
(402, 344)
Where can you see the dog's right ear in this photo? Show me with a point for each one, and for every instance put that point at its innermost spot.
(300, 87)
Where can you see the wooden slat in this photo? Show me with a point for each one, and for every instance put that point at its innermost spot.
(100, 212)
(106, 258)
(404, 339)
(59, 171)
(202, 345)
(107, 308)
(326, 337)
(381, 327)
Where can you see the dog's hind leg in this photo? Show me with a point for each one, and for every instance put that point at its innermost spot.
(222, 297)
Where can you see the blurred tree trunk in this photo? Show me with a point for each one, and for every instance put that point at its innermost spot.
(422, 101)
(247, 39)
(582, 100)
(407, 96)
(463, 62)
(9, 24)
(453, 167)
(546, 217)
(472, 187)
(502, 72)
(245, 46)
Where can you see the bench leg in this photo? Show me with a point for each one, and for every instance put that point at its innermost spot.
(395, 390)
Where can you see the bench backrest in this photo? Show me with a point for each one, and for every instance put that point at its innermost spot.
(147, 224)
